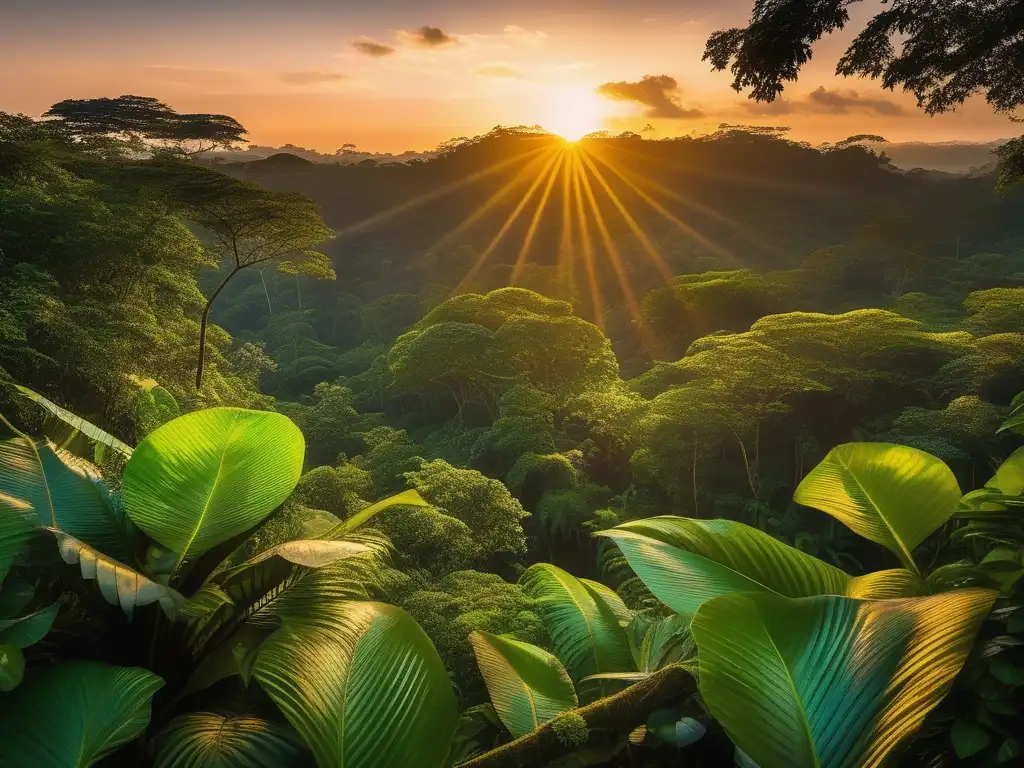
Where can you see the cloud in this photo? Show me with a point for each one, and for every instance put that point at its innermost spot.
(520, 34)
(500, 70)
(373, 48)
(429, 37)
(823, 101)
(659, 93)
(844, 102)
(311, 77)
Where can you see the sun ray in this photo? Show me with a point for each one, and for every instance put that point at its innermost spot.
(597, 306)
(566, 239)
(759, 239)
(645, 242)
(682, 225)
(615, 257)
(517, 180)
(767, 183)
(537, 216)
(509, 221)
(408, 205)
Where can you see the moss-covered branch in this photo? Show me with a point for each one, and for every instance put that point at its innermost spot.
(610, 717)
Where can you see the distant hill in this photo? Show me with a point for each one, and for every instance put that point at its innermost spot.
(649, 208)
(347, 155)
(949, 156)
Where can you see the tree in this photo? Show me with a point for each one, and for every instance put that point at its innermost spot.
(116, 273)
(331, 424)
(464, 601)
(563, 356)
(942, 52)
(454, 358)
(485, 505)
(138, 119)
(249, 226)
(192, 135)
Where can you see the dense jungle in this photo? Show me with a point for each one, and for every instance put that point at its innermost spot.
(619, 451)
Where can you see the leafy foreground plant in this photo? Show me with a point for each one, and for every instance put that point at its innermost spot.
(800, 663)
(280, 650)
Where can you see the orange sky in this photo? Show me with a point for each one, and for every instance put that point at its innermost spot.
(291, 73)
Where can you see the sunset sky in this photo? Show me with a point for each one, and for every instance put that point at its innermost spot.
(393, 75)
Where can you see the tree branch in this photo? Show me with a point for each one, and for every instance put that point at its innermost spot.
(612, 716)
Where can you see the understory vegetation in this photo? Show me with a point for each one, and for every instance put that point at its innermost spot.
(664, 489)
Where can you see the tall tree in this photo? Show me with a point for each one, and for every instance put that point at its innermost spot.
(248, 226)
(942, 52)
(141, 119)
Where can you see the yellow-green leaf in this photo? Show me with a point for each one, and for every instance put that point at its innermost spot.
(208, 476)
(686, 562)
(528, 686)
(830, 682)
(893, 495)
(363, 686)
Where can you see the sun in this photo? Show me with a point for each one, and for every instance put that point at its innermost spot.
(573, 113)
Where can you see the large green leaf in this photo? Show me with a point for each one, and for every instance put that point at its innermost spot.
(410, 498)
(528, 686)
(584, 619)
(119, 584)
(211, 740)
(208, 476)
(686, 562)
(29, 629)
(667, 641)
(893, 495)
(290, 580)
(17, 526)
(77, 422)
(276, 590)
(308, 553)
(154, 405)
(72, 714)
(830, 682)
(65, 491)
(15, 597)
(363, 686)
(1009, 478)
(1015, 420)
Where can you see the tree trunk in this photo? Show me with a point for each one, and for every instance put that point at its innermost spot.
(266, 293)
(201, 365)
(606, 718)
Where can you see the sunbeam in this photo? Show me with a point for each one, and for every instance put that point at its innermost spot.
(537, 216)
(522, 176)
(454, 186)
(641, 236)
(759, 239)
(615, 258)
(667, 214)
(509, 221)
(597, 306)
